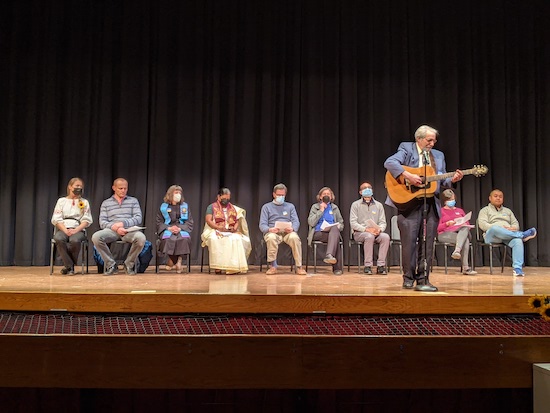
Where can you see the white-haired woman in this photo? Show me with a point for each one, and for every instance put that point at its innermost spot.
(174, 227)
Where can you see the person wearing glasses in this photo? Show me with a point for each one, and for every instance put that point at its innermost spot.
(407, 167)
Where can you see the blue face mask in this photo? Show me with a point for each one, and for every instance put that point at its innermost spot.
(451, 204)
(366, 192)
(279, 200)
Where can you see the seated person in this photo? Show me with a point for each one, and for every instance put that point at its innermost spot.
(117, 214)
(448, 231)
(71, 216)
(279, 212)
(500, 225)
(367, 219)
(226, 235)
(174, 227)
(326, 211)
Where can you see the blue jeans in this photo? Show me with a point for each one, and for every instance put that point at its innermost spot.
(514, 239)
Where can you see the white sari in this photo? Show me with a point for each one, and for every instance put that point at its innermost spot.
(228, 251)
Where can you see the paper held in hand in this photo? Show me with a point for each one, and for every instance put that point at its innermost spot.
(464, 219)
(282, 225)
(325, 226)
(134, 228)
(371, 224)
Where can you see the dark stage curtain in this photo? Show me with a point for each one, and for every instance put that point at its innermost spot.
(249, 93)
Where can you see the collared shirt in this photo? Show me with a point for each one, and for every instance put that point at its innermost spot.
(490, 215)
(361, 211)
(420, 157)
(328, 216)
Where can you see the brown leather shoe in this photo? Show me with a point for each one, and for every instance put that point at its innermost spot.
(271, 271)
(301, 271)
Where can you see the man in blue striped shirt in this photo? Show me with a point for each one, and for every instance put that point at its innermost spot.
(117, 215)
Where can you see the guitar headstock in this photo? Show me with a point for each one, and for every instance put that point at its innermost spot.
(479, 170)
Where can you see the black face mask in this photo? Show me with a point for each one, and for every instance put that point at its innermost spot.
(326, 199)
(77, 191)
(224, 201)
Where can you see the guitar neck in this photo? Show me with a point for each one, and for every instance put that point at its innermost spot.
(447, 175)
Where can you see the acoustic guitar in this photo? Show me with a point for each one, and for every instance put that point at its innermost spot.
(402, 193)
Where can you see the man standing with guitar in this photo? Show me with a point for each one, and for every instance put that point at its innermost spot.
(406, 192)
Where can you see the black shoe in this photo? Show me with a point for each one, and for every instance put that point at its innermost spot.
(367, 270)
(381, 270)
(426, 287)
(337, 272)
(408, 284)
(129, 270)
(111, 270)
(329, 259)
(67, 271)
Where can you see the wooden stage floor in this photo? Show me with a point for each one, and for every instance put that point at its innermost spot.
(33, 289)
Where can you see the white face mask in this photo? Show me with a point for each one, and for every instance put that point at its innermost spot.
(177, 197)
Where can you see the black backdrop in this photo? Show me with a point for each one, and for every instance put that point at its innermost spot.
(247, 94)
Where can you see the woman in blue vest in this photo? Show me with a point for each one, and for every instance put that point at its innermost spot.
(174, 227)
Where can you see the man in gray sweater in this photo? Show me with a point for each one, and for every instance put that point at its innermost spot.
(117, 217)
(279, 223)
(500, 225)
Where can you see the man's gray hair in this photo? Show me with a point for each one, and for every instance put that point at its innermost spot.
(422, 131)
(279, 186)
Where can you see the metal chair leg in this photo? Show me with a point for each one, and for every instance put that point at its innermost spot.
(314, 258)
(446, 252)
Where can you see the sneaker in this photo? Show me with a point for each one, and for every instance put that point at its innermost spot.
(529, 234)
(518, 272)
(129, 270)
(329, 259)
(271, 271)
(301, 271)
(456, 255)
(178, 265)
(367, 270)
(469, 271)
(381, 270)
(337, 272)
(111, 270)
(67, 271)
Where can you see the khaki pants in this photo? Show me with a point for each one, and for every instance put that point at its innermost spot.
(273, 240)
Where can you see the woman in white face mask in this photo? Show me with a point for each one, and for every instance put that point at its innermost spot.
(174, 227)
(452, 230)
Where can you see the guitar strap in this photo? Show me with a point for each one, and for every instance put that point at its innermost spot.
(432, 162)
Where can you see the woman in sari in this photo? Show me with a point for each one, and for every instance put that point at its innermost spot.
(226, 235)
(174, 227)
